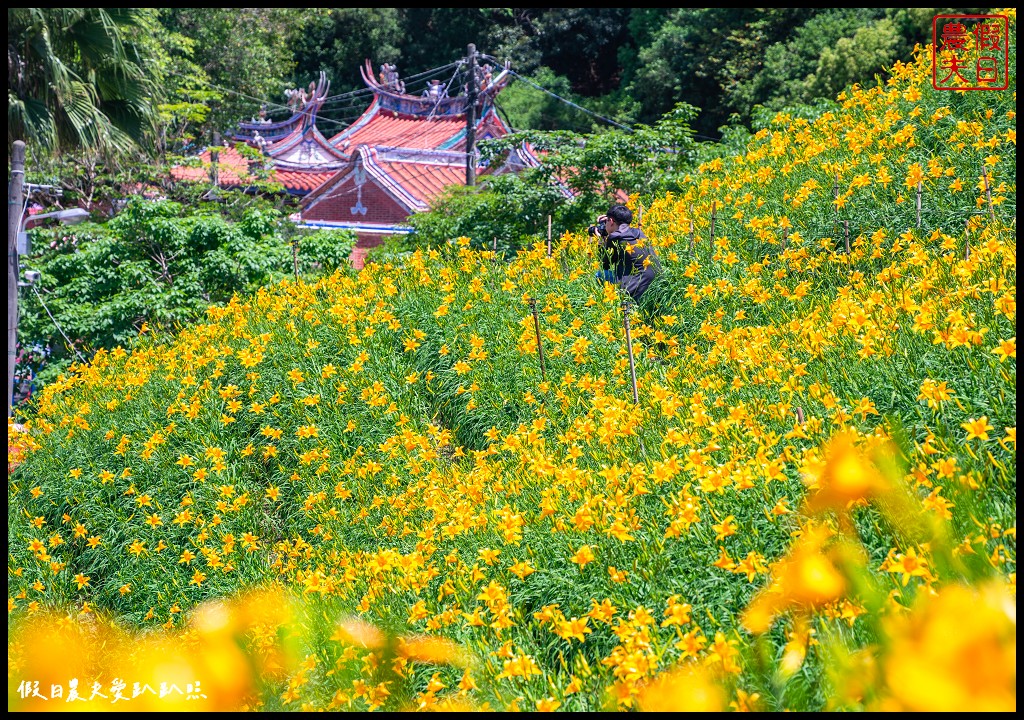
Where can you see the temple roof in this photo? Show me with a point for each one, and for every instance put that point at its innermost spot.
(305, 103)
(414, 145)
(411, 183)
(435, 100)
(383, 127)
(233, 170)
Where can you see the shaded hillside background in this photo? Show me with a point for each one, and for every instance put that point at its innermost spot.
(629, 64)
(211, 67)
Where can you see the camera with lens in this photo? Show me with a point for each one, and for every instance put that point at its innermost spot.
(598, 230)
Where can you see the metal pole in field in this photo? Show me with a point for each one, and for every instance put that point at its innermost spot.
(295, 256)
(549, 236)
(711, 240)
(14, 212)
(691, 227)
(988, 192)
(919, 204)
(540, 348)
(471, 97)
(629, 349)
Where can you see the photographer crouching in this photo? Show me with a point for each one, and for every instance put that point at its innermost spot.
(627, 256)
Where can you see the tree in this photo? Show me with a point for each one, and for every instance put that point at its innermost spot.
(524, 107)
(584, 44)
(580, 176)
(337, 41)
(78, 79)
(645, 159)
(246, 54)
(506, 211)
(161, 263)
(697, 53)
(871, 50)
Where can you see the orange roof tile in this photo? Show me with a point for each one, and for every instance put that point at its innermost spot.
(302, 181)
(390, 130)
(233, 168)
(422, 180)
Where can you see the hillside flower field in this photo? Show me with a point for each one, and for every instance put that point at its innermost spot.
(369, 491)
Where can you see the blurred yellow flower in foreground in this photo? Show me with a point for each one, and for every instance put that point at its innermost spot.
(954, 652)
(205, 662)
(432, 650)
(687, 688)
(846, 476)
(806, 578)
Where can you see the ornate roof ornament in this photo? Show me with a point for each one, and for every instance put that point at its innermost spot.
(307, 102)
(435, 90)
(436, 100)
(389, 78)
(304, 104)
(259, 141)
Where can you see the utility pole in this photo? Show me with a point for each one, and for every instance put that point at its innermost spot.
(215, 160)
(15, 202)
(471, 119)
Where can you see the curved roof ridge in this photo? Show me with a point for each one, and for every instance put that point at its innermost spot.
(312, 140)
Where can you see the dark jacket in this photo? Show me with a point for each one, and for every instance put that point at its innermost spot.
(630, 254)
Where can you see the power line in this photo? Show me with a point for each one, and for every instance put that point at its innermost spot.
(268, 103)
(354, 94)
(559, 97)
(579, 107)
(54, 321)
(412, 137)
(425, 74)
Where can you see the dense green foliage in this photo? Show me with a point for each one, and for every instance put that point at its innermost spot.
(157, 264)
(630, 65)
(243, 54)
(577, 181)
(80, 78)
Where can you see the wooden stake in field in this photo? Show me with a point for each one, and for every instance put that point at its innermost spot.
(691, 228)
(711, 239)
(835, 192)
(919, 205)
(629, 350)
(846, 236)
(540, 347)
(967, 240)
(988, 193)
(785, 238)
(549, 236)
